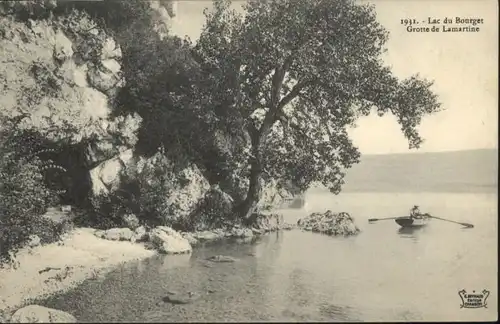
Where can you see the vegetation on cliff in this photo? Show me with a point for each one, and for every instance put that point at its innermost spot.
(135, 121)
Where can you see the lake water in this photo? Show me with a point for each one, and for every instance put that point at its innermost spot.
(380, 275)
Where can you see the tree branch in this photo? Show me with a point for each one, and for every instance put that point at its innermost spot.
(286, 122)
(277, 82)
(292, 94)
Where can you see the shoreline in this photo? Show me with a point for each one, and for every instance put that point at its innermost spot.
(60, 266)
(79, 255)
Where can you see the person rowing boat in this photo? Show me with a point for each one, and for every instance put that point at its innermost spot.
(415, 213)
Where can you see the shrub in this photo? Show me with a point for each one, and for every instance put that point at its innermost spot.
(106, 211)
(24, 195)
(145, 190)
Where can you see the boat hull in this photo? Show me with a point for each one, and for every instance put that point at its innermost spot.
(407, 222)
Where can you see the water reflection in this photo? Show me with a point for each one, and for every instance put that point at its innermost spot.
(411, 233)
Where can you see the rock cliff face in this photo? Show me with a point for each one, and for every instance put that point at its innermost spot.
(63, 72)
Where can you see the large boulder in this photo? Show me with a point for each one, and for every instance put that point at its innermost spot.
(180, 188)
(213, 210)
(123, 130)
(168, 241)
(37, 314)
(185, 196)
(106, 176)
(329, 223)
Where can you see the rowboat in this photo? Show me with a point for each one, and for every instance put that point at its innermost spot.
(412, 221)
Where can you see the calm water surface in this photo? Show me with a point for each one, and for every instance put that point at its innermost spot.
(381, 275)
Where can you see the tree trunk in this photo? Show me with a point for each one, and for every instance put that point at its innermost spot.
(247, 208)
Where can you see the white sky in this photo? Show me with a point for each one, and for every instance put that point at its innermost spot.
(464, 67)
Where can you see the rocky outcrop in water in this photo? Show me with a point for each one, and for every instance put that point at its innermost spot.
(329, 223)
(168, 241)
(36, 314)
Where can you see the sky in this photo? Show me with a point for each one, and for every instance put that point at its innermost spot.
(462, 65)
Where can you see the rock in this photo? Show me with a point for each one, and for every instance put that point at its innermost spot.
(287, 227)
(106, 176)
(66, 208)
(266, 222)
(242, 232)
(35, 313)
(33, 241)
(131, 221)
(222, 258)
(50, 4)
(99, 233)
(73, 74)
(256, 231)
(118, 234)
(273, 196)
(213, 210)
(168, 241)
(149, 246)
(179, 189)
(4, 317)
(190, 237)
(329, 223)
(110, 50)
(104, 80)
(186, 196)
(111, 66)
(63, 48)
(206, 236)
(175, 298)
(140, 235)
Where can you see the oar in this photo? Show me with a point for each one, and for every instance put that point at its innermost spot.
(377, 219)
(447, 220)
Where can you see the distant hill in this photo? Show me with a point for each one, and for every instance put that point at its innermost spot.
(459, 171)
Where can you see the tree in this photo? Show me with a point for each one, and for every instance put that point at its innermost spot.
(293, 75)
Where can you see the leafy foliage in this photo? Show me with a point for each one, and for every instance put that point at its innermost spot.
(24, 195)
(144, 191)
(294, 75)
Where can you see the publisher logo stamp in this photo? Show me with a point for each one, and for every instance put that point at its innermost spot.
(474, 299)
